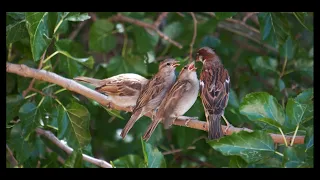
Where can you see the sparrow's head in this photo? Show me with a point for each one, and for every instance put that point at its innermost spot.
(188, 71)
(205, 54)
(168, 65)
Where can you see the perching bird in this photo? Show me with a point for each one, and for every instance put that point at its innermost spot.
(153, 93)
(214, 90)
(122, 90)
(178, 100)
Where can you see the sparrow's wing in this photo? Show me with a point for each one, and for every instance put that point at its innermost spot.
(120, 87)
(150, 91)
(215, 90)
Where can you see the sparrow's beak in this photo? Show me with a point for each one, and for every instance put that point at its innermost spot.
(175, 64)
(192, 67)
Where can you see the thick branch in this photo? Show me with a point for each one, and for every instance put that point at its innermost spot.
(160, 18)
(72, 85)
(69, 150)
(120, 17)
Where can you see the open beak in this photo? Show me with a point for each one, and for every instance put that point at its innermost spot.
(175, 64)
(192, 67)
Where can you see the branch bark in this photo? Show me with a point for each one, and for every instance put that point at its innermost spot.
(121, 18)
(68, 150)
(72, 85)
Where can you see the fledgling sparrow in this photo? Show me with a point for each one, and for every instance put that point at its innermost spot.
(122, 90)
(214, 90)
(178, 100)
(153, 93)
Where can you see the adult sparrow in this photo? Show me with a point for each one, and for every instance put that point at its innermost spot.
(178, 100)
(122, 90)
(153, 93)
(214, 90)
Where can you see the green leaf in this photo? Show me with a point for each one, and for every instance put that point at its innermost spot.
(287, 49)
(13, 104)
(37, 24)
(73, 124)
(224, 15)
(270, 122)
(262, 105)
(30, 116)
(280, 84)
(173, 31)
(251, 147)
(301, 18)
(233, 99)
(113, 112)
(152, 156)
(17, 15)
(237, 162)
(293, 158)
(144, 41)
(128, 161)
(309, 138)
(274, 26)
(305, 97)
(74, 160)
(16, 32)
(74, 51)
(295, 111)
(100, 36)
(133, 64)
(263, 64)
(210, 41)
(77, 17)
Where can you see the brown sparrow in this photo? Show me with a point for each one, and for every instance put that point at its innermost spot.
(178, 100)
(214, 90)
(122, 90)
(153, 93)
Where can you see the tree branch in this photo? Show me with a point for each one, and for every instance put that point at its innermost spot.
(68, 150)
(72, 85)
(120, 17)
(160, 18)
(194, 34)
(13, 160)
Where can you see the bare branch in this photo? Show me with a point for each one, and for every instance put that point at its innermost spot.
(160, 19)
(194, 34)
(13, 160)
(180, 14)
(249, 15)
(72, 85)
(120, 17)
(68, 150)
(77, 30)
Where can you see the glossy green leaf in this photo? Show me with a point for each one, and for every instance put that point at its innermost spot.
(295, 111)
(16, 31)
(30, 116)
(301, 18)
(273, 25)
(251, 147)
(100, 36)
(113, 112)
(280, 84)
(262, 105)
(173, 31)
(73, 124)
(13, 104)
(237, 162)
(224, 15)
(305, 97)
(264, 64)
(210, 41)
(128, 161)
(132, 64)
(270, 122)
(293, 158)
(17, 15)
(287, 49)
(37, 25)
(144, 41)
(233, 99)
(74, 51)
(77, 17)
(309, 138)
(74, 160)
(152, 156)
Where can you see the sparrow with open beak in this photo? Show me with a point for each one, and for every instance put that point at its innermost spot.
(178, 100)
(122, 90)
(214, 90)
(153, 93)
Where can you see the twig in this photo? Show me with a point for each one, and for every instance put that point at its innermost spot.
(13, 160)
(177, 150)
(180, 14)
(25, 92)
(68, 150)
(194, 34)
(160, 18)
(249, 14)
(120, 17)
(93, 16)
(42, 93)
(77, 30)
(198, 161)
(72, 85)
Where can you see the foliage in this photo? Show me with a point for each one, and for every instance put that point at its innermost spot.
(271, 88)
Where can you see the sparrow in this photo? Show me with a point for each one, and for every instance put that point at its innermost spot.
(214, 90)
(153, 92)
(178, 100)
(122, 90)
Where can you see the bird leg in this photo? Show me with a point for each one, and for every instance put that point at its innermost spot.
(227, 123)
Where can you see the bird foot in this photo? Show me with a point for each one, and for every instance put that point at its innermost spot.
(109, 105)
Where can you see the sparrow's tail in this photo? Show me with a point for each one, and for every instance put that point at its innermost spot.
(134, 117)
(214, 129)
(150, 129)
(92, 81)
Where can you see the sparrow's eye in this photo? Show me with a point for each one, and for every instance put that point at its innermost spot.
(168, 64)
(185, 67)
